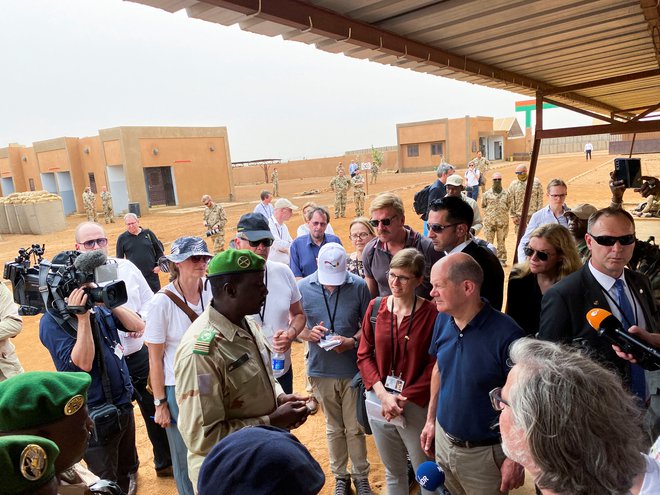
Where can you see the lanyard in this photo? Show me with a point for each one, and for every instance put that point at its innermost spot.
(327, 307)
(407, 337)
(262, 311)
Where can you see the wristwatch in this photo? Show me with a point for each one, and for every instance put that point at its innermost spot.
(158, 402)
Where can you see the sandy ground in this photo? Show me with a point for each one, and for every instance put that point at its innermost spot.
(587, 182)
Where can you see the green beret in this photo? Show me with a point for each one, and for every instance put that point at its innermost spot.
(38, 398)
(235, 261)
(26, 463)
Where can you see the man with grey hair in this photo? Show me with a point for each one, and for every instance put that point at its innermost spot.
(142, 248)
(579, 399)
(438, 189)
(470, 341)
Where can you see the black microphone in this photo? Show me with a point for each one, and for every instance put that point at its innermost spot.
(608, 327)
(87, 262)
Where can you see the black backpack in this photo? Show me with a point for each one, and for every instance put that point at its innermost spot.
(421, 202)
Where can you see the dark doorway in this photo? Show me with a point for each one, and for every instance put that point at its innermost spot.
(92, 182)
(160, 186)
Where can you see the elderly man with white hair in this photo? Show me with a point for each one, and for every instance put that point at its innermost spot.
(282, 240)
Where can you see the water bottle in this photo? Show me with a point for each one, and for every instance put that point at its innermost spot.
(278, 359)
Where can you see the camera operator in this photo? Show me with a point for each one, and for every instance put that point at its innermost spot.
(83, 339)
(11, 325)
(90, 236)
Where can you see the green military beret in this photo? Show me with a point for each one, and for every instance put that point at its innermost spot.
(38, 398)
(26, 463)
(235, 261)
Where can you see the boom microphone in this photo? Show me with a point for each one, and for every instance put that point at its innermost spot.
(608, 327)
(89, 261)
(430, 476)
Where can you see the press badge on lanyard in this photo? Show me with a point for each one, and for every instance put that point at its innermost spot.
(394, 384)
(119, 351)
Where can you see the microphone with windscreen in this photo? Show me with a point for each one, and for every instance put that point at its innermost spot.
(430, 476)
(611, 329)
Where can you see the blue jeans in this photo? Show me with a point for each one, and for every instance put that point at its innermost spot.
(286, 381)
(472, 192)
(178, 449)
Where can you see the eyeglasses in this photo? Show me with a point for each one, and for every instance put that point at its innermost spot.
(542, 255)
(496, 399)
(402, 279)
(361, 235)
(385, 222)
(608, 240)
(437, 228)
(557, 196)
(100, 242)
(266, 242)
(196, 258)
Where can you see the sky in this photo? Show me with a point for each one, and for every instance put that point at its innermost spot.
(72, 67)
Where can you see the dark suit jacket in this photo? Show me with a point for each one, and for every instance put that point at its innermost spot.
(493, 286)
(437, 191)
(565, 305)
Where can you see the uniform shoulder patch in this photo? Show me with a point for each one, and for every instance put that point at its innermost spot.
(203, 342)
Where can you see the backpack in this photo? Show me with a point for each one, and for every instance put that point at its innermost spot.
(421, 202)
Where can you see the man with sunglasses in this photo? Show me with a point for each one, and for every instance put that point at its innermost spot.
(281, 317)
(604, 282)
(305, 249)
(392, 235)
(90, 236)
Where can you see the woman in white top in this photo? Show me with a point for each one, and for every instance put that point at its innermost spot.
(169, 314)
(472, 176)
(307, 209)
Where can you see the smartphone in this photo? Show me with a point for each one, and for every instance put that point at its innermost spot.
(629, 170)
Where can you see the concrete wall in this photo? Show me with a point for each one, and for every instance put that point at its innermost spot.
(573, 144)
(648, 142)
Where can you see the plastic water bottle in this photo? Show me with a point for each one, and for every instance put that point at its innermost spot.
(278, 359)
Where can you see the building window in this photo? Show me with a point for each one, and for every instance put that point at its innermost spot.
(413, 150)
(31, 181)
(92, 182)
(436, 148)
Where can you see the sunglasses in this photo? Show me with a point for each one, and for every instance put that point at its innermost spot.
(100, 242)
(542, 255)
(384, 222)
(496, 399)
(608, 240)
(437, 228)
(266, 242)
(196, 258)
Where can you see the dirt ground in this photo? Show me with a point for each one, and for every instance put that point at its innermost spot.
(587, 183)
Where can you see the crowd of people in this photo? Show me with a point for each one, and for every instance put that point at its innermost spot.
(451, 374)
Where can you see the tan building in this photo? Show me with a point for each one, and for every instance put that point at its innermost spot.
(423, 145)
(149, 166)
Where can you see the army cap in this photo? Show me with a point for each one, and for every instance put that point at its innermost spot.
(27, 462)
(454, 180)
(582, 211)
(38, 398)
(235, 261)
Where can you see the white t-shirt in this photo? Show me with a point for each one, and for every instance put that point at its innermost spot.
(282, 293)
(304, 230)
(166, 324)
(651, 484)
(139, 294)
(472, 177)
(279, 251)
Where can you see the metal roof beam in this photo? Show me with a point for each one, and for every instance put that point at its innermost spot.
(616, 128)
(593, 115)
(603, 82)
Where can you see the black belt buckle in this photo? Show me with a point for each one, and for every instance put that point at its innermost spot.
(466, 444)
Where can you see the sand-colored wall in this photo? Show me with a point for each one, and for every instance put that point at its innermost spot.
(112, 151)
(92, 161)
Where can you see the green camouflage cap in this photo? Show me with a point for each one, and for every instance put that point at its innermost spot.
(27, 462)
(235, 261)
(38, 398)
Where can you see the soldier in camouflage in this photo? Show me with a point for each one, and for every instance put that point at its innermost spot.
(215, 219)
(482, 165)
(89, 203)
(340, 184)
(517, 196)
(223, 368)
(106, 200)
(496, 203)
(275, 179)
(340, 167)
(358, 192)
(375, 168)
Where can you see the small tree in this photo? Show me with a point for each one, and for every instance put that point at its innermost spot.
(376, 156)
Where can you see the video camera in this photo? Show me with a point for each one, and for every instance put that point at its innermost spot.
(44, 283)
(212, 232)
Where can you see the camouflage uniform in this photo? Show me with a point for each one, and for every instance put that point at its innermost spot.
(483, 166)
(222, 383)
(358, 194)
(340, 167)
(89, 202)
(215, 216)
(340, 184)
(275, 178)
(375, 168)
(517, 196)
(496, 219)
(106, 199)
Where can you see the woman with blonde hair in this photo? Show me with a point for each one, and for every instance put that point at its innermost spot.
(360, 233)
(551, 255)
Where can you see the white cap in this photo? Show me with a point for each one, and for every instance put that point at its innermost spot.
(284, 203)
(332, 264)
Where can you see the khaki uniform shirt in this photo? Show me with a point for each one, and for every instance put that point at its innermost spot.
(215, 216)
(89, 199)
(11, 325)
(106, 199)
(481, 164)
(358, 184)
(340, 184)
(224, 383)
(497, 207)
(517, 195)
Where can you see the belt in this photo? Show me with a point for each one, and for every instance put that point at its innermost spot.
(470, 444)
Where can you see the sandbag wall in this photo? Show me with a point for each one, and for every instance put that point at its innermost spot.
(33, 212)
